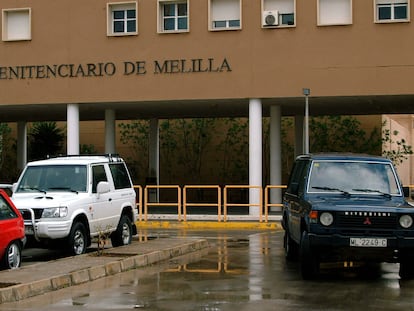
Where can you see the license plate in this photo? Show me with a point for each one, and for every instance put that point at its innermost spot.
(368, 242)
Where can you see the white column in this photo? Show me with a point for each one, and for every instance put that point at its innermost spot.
(110, 133)
(72, 129)
(21, 144)
(306, 127)
(299, 135)
(275, 155)
(154, 149)
(255, 153)
(154, 157)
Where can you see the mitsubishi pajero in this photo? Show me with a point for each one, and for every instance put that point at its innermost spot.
(347, 208)
(68, 201)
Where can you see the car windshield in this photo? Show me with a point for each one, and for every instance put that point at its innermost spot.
(348, 177)
(53, 178)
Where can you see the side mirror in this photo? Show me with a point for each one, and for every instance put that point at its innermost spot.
(294, 188)
(102, 187)
(14, 187)
(406, 191)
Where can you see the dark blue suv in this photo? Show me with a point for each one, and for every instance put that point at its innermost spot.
(347, 207)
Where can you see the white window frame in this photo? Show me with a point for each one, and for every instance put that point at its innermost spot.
(227, 22)
(392, 4)
(335, 21)
(282, 7)
(10, 16)
(121, 6)
(161, 17)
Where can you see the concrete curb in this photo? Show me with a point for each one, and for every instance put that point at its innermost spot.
(124, 262)
(153, 224)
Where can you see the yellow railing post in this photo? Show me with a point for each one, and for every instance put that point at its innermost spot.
(138, 201)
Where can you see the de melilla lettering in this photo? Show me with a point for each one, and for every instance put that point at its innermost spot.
(177, 66)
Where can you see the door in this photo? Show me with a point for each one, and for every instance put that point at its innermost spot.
(101, 209)
(294, 198)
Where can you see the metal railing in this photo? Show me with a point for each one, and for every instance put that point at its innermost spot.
(216, 203)
(267, 204)
(226, 202)
(176, 203)
(221, 200)
(138, 200)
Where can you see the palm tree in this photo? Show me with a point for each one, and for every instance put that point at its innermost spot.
(45, 139)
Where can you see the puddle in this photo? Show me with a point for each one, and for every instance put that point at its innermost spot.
(3, 285)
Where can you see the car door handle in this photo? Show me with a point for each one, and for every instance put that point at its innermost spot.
(110, 199)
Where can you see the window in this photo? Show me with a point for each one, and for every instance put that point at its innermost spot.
(6, 211)
(283, 12)
(16, 24)
(173, 16)
(391, 10)
(353, 177)
(53, 178)
(122, 19)
(225, 14)
(296, 180)
(334, 12)
(120, 176)
(98, 175)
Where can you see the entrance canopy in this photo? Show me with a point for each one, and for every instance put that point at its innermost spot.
(348, 105)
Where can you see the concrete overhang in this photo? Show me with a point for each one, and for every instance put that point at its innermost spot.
(335, 105)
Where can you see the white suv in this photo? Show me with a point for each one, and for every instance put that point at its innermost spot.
(74, 199)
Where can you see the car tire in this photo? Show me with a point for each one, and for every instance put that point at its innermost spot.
(309, 260)
(291, 247)
(13, 256)
(77, 239)
(406, 268)
(123, 234)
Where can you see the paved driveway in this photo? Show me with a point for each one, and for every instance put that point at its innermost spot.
(243, 270)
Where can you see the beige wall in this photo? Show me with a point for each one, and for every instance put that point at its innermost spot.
(402, 125)
(359, 59)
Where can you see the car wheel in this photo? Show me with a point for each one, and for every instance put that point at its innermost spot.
(291, 247)
(123, 233)
(406, 268)
(309, 261)
(77, 239)
(13, 256)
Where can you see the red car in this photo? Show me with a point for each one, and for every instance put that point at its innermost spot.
(12, 236)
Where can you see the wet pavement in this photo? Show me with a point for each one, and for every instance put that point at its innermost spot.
(242, 270)
(37, 279)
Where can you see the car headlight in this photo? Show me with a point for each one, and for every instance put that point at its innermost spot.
(55, 212)
(326, 219)
(406, 221)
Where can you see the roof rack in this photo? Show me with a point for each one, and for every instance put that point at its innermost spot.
(112, 157)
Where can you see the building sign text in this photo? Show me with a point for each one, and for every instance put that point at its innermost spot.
(109, 69)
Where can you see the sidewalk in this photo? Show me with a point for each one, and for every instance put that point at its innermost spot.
(44, 277)
(170, 221)
(235, 225)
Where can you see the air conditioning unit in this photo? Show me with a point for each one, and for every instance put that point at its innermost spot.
(270, 18)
